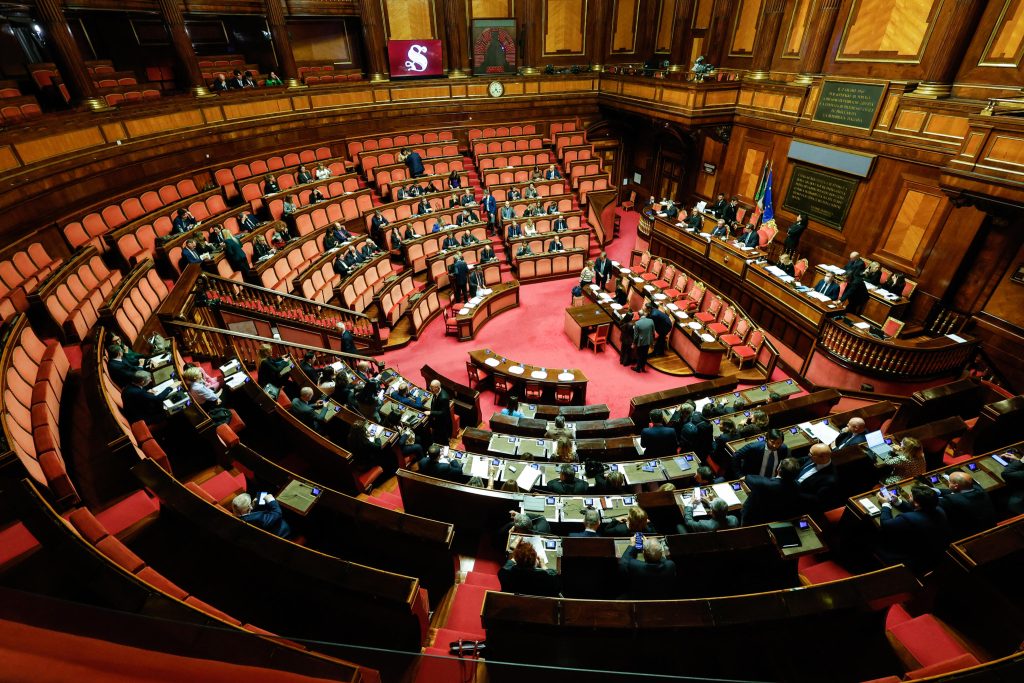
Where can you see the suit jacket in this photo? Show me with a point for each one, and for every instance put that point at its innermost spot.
(514, 231)
(529, 581)
(306, 412)
(524, 250)
(662, 323)
(672, 211)
(794, 232)
(695, 222)
(470, 218)
(122, 371)
(719, 208)
(586, 533)
(647, 580)
(468, 239)
(968, 512)
(440, 413)
(139, 404)
(487, 254)
(450, 242)
(750, 239)
(696, 526)
(818, 491)
(490, 204)
(1013, 475)
(561, 488)
(348, 342)
(414, 162)
(703, 440)
(856, 266)
(729, 213)
(770, 500)
(831, 290)
(441, 470)
(720, 231)
(602, 267)
(248, 223)
(303, 177)
(658, 441)
(552, 174)
(555, 246)
(850, 439)
(191, 256)
(560, 225)
(461, 272)
(915, 538)
(643, 332)
(514, 193)
(234, 254)
(749, 458)
(855, 294)
(269, 517)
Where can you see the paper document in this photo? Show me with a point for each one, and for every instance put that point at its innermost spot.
(639, 448)
(862, 326)
(533, 503)
(479, 467)
(701, 402)
(725, 492)
(956, 338)
(527, 479)
(823, 432)
(701, 206)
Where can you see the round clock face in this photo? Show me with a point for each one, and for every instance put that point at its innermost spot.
(496, 89)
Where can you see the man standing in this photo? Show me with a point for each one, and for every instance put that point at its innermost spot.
(643, 337)
(771, 499)
(414, 162)
(855, 265)
(490, 206)
(658, 440)
(762, 457)
(730, 211)
(440, 414)
(602, 268)
(718, 208)
(461, 278)
(348, 342)
(793, 234)
(663, 326)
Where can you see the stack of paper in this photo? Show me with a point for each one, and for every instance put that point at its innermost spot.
(479, 467)
(862, 326)
(823, 432)
(527, 479)
(725, 492)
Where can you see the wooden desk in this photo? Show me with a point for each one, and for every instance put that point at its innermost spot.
(550, 265)
(731, 256)
(596, 411)
(580, 321)
(810, 310)
(439, 263)
(879, 306)
(502, 297)
(415, 252)
(582, 429)
(520, 374)
(606, 449)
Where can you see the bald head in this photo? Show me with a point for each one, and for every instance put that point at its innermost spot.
(306, 394)
(961, 481)
(854, 255)
(820, 454)
(856, 425)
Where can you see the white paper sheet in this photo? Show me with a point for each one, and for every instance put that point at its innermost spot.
(725, 492)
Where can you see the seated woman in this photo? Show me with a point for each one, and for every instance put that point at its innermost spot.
(512, 408)
(526, 573)
(454, 182)
(906, 460)
(327, 382)
(272, 370)
(200, 392)
(565, 450)
(636, 522)
(786, 264)
(529, 229)
(260, 248)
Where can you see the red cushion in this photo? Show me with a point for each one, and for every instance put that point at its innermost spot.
(670, 293)
(211, 610)
(486, 580)
(367, 478)
(465, 612)
(87, 525)
(926, 640)
(834, 515)
(896, 615)
(648, 276)
(717, 328)
(887, 679)
(705, 317)
(224, 485)
(730, 339)
(127, 512)
(823, 572)
(120, 553)
(661, 284)
(161, 583)
(15, 541)
(744, 352)
(227, 435)
(954, 664)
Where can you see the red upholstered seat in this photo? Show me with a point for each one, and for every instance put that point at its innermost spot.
(724, 325)
(736, 338)
(963, 661)
(224, 486)
(823, 572)
(926, 641)
(710, 314)
(365, 479)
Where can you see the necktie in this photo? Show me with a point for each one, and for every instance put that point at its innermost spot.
(769, 456)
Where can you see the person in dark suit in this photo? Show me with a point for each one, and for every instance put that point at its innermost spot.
(560, 224)
(567, 483)
(524, 250)
(440, 413)
(855, 295)
(670, 209)
(626, 340)
(552, 173)
(591, 525)
(731, 209)
(705, 476)
(1013, 475)
(721, 229)
(555, 246)
(853, 433)
(817, 480)
(719, 517)
(651, 578)
(233, 252)
(461, 270)
(449, 242)
(316, 196)
(608, 483)
(304, 176)
(247, 222)
(527, 574)
(271, 369)
(718, 208)
(468, 239)
(423, 208)
(140, 404)
(513, 230)
(785, 264)
(702, 437)
(602, 269)
(266, 514)
(431, 466)
(414, 162)
(183, 222)
(793, 233)
(919, 535)
(662, 328)
(270, 185)
(122, 371)
(489, 205)
(340, 266)
(694, 221)
(515, 194)
(828, 287)
(658, 440)
(410, 234)
(453, 201)
(189, 254)
(855, 266)
(476, 282)
(761, 457)
(750, 237)
(873, 273)
(308, 411)
(466, 217)
(487, 254)
(348, 342)
(771, 499)
(719, 452)
(967, 506)
(896, 283)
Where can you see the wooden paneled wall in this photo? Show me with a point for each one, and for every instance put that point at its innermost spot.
(565, 28)
(411, 19)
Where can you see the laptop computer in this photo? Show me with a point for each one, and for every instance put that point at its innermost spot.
(879, 446)
(161, 375)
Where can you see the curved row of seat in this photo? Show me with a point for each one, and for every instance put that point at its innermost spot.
(359, 290)
(371, 160)
(394, 297)
(132, 305)
(373, 143)
(137, 240)
(253, 190)
(318, 282)
(384, 178)
(74, 297)
(21, 274)
(510, 144)
(507, 131)
(228, 176)
(344, 208)
(488, 161)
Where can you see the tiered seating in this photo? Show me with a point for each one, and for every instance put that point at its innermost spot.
(503, 131)
(73, 298)
(281, 270)
(33, 379)
(21, 274)
(488, 161)
(131, 306)
(318, 216)
(384, 178)
(356, 147)
(227, 177)
(394, 297)
(325, 73)
(371, 160)
(15, 107)
(137, 240)
(92, 226)
(557, 127)
(522, 143)
(424, 309)
(545, 188)
(252, 189)
(126, 93)
(360, 288)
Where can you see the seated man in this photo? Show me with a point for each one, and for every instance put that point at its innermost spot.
(749, 238)
(552, 173)
(487, 254)
(609, 483)
(247, 222)
(423, 208)
(591, 524)
(468, 239)
(919, 535)
(567, 483)
(556, 246)
(526, 573)
(515, 194)
(266, 514)
(431, 466)
(658, 440)
(560, 224)
(513, 231)
(524, 250)
(967, 506)
(306, 410)
(449, 242)
(558, 429)
(721, 229)
(827, 287)
(694, 222)
(183, 222)
(650, 578)
(817, 481)
(719, 516)
(122, 371)
(403, 394)
(852, 434)
(140, 404)
(466, 217)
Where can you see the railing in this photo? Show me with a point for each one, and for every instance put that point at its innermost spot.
(213, 342)
(894, 358)
(240, 296)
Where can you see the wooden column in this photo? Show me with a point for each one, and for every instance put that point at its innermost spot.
(182, 43)
(769, 23)
(597, 51)
(682, 37)
(370, 14)
(531, 35)
(456, 26)
(68, 57)
(282, 43)
(716, 45)
(817, 39)
(940, 69)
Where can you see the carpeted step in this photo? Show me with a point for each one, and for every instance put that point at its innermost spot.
(465, 612)
(379, 502)
(486, 580)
